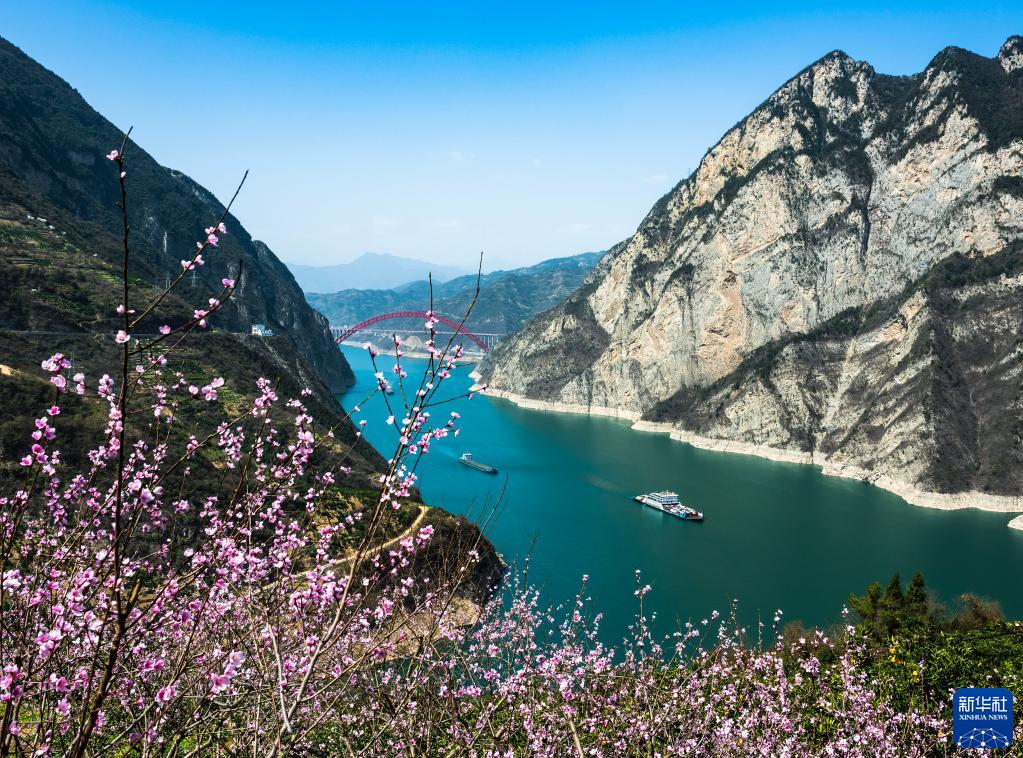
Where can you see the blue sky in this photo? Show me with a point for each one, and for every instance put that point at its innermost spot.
(435, 130)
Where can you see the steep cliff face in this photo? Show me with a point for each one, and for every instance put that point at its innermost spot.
(836, 204)
(52, 145)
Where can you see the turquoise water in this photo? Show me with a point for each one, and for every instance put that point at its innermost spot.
(776, 535)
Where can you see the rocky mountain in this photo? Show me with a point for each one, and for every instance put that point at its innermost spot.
(52, 147)
(839, 281)
(507, 298)
(370, 271)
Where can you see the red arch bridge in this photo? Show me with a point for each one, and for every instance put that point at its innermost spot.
(483, 340)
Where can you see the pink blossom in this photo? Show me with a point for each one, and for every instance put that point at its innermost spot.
(122, 337)
(258, 560)
(112, 155)
(209, 392)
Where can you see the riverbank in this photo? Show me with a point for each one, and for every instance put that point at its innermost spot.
(544, 405)
(909, 493)
(414, 350)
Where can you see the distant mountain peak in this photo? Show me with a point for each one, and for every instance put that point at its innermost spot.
(370, 255)
(371, 270)
(507, 298)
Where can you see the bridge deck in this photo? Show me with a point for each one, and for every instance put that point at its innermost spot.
(484, 341)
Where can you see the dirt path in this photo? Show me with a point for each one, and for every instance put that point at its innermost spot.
(412, 529)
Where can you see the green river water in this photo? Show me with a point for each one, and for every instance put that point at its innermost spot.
(776, 535)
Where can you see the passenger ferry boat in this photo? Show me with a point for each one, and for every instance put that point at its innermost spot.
(466, 458)
(667, 502)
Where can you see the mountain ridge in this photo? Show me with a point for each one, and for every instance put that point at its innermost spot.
(507, 297)
(370, 271)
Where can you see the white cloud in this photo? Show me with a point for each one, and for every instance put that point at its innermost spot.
(385, 222)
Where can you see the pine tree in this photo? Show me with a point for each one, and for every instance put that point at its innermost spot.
(917, 603)
(867, 607)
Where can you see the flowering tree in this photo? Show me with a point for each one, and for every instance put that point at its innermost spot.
(132, 612)
(147, 608)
